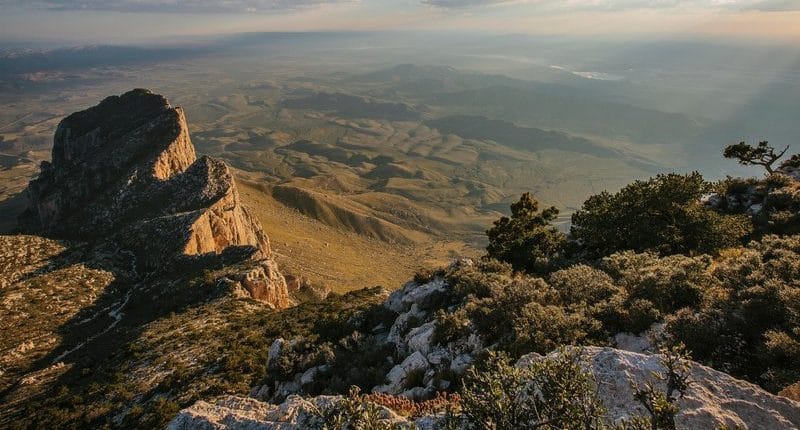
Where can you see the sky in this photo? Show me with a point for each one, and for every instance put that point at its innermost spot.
(120, 21)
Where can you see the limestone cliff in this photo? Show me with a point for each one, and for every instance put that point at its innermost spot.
(126, 171)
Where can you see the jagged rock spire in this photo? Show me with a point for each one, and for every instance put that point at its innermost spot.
(126, 171)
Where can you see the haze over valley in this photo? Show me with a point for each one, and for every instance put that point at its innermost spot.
(420, 138)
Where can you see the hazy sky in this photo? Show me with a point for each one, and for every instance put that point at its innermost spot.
(136, 20)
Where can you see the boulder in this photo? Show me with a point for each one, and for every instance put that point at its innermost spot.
(310, 375)
(412, 293)
(713, 400)
(420, 338)
(275, 350)
(230, 412)
(404, 323)
(398, 376)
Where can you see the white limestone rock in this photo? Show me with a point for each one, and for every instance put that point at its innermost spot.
(413, 293)
(296, 413)
(714, 399)
(645, 342)
(401, 325)
(420, 338)
(275, 350)
(397, 378)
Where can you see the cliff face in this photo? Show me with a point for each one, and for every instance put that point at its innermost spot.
(102, 154)
(126, 171)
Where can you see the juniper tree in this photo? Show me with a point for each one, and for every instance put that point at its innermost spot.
(760, 155)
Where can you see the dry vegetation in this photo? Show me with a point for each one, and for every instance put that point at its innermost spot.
(340, 259)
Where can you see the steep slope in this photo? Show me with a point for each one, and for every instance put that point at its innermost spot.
(127, 228)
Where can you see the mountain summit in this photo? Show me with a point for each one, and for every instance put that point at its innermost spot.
(125, 171)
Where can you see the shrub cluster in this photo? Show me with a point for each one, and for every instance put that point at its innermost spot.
(738, 311)
(749, 321)
(575, 305)
(723, 274)
(663, 214)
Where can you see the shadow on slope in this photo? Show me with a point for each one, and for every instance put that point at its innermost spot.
(83, 306)
(334, 213)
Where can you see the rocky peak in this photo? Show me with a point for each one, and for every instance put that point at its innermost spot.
(104, 153)
(126, 171)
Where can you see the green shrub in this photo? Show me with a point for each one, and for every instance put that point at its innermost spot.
(494, 316)
(748, 323)
(526, 240)
(662, 214)
(450, 326)
(638, 315)
(780, 213)
(583, 284)
(482, 280)
(734, 185)
(543, 328)
(553, 393)
(669, 283)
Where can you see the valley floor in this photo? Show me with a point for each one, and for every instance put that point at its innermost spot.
(342, 260)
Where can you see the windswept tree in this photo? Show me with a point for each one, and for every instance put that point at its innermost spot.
(527, 240)
(761, 155)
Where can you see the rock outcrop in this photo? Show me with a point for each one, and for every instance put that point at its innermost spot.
(713, 400)
(126, 171)
(242, 413)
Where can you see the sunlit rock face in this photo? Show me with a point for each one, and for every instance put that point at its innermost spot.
(125, 171)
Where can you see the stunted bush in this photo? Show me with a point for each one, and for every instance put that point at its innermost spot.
(543, 328)
(494, 316)
(780, 213)
(482, 280)
(450, 326)
(669, 283)
(583, 284)
(552, 393)
(662, 404)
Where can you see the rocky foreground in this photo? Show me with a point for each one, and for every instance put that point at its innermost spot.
(713, 400)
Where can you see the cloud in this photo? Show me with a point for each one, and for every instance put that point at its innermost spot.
(187, 6)
(618, 5)
(775, 5)
(461, 4)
